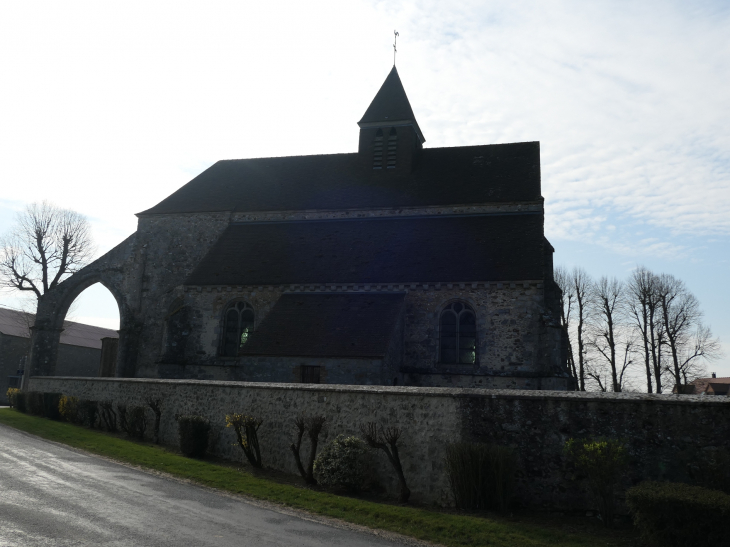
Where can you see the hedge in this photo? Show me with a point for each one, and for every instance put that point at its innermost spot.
(679, 515)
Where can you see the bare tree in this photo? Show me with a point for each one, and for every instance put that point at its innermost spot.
(46, 245)
(612, 338)
(599, 369)
(680, 314)
(567, 303)
(642, 305)
(649, 323)
(698, 349)
(657, 352)
(581, 282)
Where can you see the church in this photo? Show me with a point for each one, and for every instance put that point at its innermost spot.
(393, 265)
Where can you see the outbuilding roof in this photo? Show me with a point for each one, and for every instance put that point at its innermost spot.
(328, 325)
(18, 323)
(435, 249)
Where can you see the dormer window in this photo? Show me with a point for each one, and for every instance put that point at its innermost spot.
(378, 150)
(392, 141)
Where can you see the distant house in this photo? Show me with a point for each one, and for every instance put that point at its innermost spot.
(79, 352)
(708, 386)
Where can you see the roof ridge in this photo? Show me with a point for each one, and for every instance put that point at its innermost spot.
(425, 149)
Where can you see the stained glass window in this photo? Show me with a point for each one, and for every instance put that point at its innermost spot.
(238, 325)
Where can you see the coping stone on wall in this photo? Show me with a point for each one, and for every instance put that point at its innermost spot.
(585, 396)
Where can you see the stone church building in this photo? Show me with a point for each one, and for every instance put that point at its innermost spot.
(393, 265)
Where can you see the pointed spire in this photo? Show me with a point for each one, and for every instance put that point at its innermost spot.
(390, 107)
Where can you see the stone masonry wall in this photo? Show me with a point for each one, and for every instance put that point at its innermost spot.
(509, 320)
(146, 275)
(264, 368)
(510, 329)
(662, 432)
(174, 245)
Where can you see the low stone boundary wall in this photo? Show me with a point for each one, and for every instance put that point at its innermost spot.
(663, 432)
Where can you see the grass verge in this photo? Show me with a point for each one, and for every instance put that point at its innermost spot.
(444, 528)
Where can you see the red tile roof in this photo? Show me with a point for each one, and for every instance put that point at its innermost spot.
(701, 384)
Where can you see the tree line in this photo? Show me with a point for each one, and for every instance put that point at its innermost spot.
(642, 333)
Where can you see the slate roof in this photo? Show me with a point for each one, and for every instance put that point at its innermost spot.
(376, 250)
(391, 105)
(442, 176)
(327, 325)
(16, 323)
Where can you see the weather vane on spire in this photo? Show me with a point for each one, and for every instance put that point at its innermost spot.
(395, 41)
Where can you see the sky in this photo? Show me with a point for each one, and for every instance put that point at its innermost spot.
(107, 108)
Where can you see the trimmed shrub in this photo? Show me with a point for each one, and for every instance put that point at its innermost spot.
(246, 428)
(679, 515)
(68, 407)
(35, 403)
(313, 425)
(711, 469)
(482, 476)
(50, 405)
(108, 416)
(88, 412)
(136, 422)
(387, 441)
(21, 402)
(123, 425)
(603, 462)
(193, 432)
(341, 464)
(12, 394)
(156, 406)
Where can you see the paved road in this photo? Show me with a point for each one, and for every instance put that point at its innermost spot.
(53, 495)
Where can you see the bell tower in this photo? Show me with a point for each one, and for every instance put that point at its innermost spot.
(390, 139)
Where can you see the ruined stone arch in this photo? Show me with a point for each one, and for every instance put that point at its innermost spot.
(51, 313)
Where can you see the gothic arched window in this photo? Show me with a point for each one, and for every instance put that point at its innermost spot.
(392, 141)
(458, 334)
(378, 150)
(237, 326)
(177, 330)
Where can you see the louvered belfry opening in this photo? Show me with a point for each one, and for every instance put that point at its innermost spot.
(378, 150)
(392, 141)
